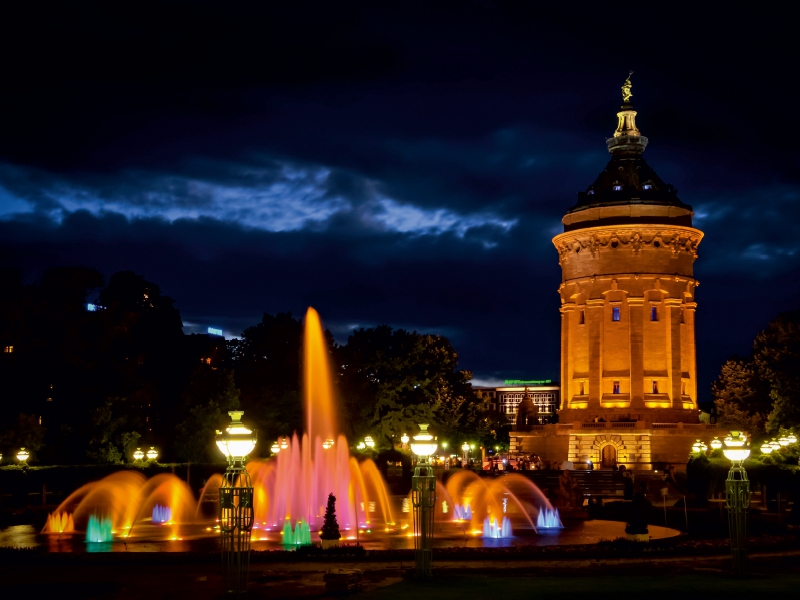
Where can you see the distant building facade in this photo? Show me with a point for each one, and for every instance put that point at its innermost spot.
(505, 399)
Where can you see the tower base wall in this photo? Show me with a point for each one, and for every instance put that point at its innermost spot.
(637, 445)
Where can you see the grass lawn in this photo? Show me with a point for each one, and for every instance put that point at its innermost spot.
(678, 586)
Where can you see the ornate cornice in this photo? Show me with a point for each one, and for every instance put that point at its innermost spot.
(633, 238)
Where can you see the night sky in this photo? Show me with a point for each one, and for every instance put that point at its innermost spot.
(401, 163)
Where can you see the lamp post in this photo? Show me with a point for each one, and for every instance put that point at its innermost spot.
(369, 442)
(404, 439)
(138, 455)
(152, 454)
(737, 498)
(423, 500)
(23, 456)
(236, 504)
(465, 450)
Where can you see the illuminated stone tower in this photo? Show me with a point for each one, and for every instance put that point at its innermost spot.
(627, 293)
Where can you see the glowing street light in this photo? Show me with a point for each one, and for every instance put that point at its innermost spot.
(236, 504)
(465, 450)
(23, 455)
(737, 498)
(361, 446)
(284, 443)
(369, 442)
(792, 438)
(784, 441)
(152, 454)
(327, 444)
(404, 438)
(766, 448)
(775, 444)
(423, 499)
(716, 444)
(698, 446)
(275, 448)
(138, 455)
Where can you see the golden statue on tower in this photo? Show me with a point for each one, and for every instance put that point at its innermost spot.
(626, 88)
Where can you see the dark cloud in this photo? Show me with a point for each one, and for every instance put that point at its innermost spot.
(402, 163)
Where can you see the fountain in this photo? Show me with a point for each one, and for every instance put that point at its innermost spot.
(161, 514)
(548, 521)
(99, 530)
(493, 529)
(514, 496)
(462, 513)
(290, 490)
(292, 487)
(295, 484)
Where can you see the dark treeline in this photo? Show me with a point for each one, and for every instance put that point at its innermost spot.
(90, 386)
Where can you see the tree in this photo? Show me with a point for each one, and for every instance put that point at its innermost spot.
(391, 380)
(330, 526)
(741, 397)
(268, 369)
(208, 397)
(27, 433)
(114, 425)
(776, 354)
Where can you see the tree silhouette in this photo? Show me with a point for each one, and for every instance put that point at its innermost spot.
(330, 527)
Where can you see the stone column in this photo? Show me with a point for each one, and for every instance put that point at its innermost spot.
(567, 311)
(673, 310)
(688, 330)
(595, 314)
(635, 306)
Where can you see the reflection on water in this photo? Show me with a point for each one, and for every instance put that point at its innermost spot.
(18, 536)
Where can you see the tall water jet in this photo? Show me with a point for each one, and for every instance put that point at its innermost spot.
(318, 386)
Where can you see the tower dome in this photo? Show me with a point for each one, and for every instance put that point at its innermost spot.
(628, 189)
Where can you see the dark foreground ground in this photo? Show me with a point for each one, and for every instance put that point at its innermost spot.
(682, 578)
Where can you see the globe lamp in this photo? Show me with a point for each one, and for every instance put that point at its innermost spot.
(152, 454)
(275, 448)
(775, 445)
(465, 447)
(423, 444)
(327, 444)
(23, 455)
(784, 441)
(361, 445)
(766, 448)
(792, 438)
(284, 443)
(697, 446)
(735, 449)
(404, 438)
(237, 441)
(369, 442)
(138, 454)
(716, 444)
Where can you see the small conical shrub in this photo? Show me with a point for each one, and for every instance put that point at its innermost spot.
(330, 527)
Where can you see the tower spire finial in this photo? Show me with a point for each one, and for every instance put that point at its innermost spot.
(626, 88)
